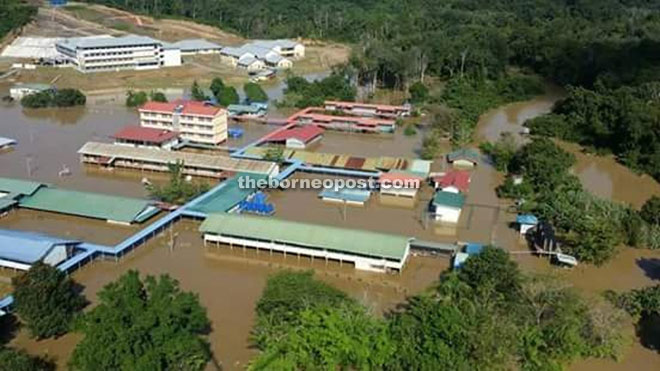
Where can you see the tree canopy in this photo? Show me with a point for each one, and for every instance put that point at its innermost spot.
(54, 98)
(143, 324)
(254, 92)
(177, 190)
(46, 300)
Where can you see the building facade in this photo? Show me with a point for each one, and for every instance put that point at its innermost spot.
(106, 53)
(195, 121)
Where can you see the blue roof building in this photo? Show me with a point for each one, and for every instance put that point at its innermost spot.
(19, 250)
(526, 222)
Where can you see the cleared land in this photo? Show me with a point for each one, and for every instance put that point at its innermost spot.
(85, 20)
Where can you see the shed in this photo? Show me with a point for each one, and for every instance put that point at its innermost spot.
(526, 222)
(299, 137)
(447, 206)
(463, 158)
(139, 136)
(19, 250)
(455, 181)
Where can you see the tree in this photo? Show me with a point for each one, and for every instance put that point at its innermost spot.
(147, 324)
(543, 162)
(196, 92)
(46, 300)
(136, 99)
(157, 96)
(228, 96)
(501, 152)
(69, 98)
(178, 190)
(18, 360)
(418, 92)
(651, 210)
(275, 154)
(217, 85)
(255, 93)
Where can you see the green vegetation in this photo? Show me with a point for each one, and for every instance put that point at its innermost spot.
(644, 305)
(54, 98)
(228, 96)
(419, 93)
(622, 120)
(18, 360)
(147, 324)
(15, 14)
(275, 154)
(488, 315)
(302, 93)
(588, 227)
(196, 92)
(46, 300)
(409, 130)
(139, 98)
(178, 190)
(254, 92)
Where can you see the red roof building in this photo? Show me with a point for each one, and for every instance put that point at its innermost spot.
(367, 109)
(454, 181)
(141, 136)
(196, 122)
(297, 137)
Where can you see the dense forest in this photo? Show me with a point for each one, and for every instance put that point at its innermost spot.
(400, 41)
(14, 14)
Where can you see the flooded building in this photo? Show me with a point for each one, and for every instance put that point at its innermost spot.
(12, 190)
(18, 91)
(447, 206)
(310, 116)
(138, 136)
(454, 181)
(249, 110)
(196, 122)
(463, 158)
(399, 184)
(113, 209)
(151, 159)
(19, 250)
(366, 250)
(369, 110)
(297, 138)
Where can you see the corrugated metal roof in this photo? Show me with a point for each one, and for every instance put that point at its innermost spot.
(215, 162)
(32, 86)
(108, 42)
(27, 247)
(449, 199)
(195, 45)
(19, 186)
(343, 240)
(464, 154)
(225, 198)
(91, 205)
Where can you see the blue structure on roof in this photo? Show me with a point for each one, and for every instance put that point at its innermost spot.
(28, 247)
(235, 132)
(528, 219)
(473, 248)
(58, 2)
(256, 205)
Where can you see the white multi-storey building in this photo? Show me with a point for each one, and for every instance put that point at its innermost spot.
(195, 121)
(106, 53)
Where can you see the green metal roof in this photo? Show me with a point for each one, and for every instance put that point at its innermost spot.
(228, 196)
(6, 203)
(464, 154)
(449, 199)
(91, 205)
(19, 186)
(343, 240)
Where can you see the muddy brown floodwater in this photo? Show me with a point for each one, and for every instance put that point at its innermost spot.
(631, 268)
(229, 282)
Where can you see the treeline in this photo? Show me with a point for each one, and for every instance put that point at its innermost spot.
(54, 98)
(587, 227)
(486, 316)
(144, 323)
(301, 93)
(15, 14)
(399, 42)
(624, 121)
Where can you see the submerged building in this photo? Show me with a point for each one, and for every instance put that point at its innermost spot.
(195, 122)
(366, 250)
(19, 250)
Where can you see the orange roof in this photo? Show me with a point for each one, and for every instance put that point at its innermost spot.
(142, 134)
(187, 107)
(308, 113)
(458, 179)
(400, 177)
(382, 107)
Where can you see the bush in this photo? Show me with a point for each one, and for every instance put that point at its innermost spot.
(136, 99)
(418, 92)
(54, 98)
(255, 93)
(18, 360)
(410, 130)
(651, 210)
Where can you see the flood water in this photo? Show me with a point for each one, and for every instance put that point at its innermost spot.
(631, 268)
(229, 282)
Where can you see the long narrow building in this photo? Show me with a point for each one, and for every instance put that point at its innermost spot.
(366, 250)
(152, 159)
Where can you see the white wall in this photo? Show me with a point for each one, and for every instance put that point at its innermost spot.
(171, 57)
(56, 255)
(447, 214)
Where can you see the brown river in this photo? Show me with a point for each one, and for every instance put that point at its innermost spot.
(229, 282)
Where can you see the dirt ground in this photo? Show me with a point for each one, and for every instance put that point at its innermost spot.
(80, 19)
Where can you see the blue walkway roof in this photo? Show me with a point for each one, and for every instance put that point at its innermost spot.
(527, 219)
(27, 247)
